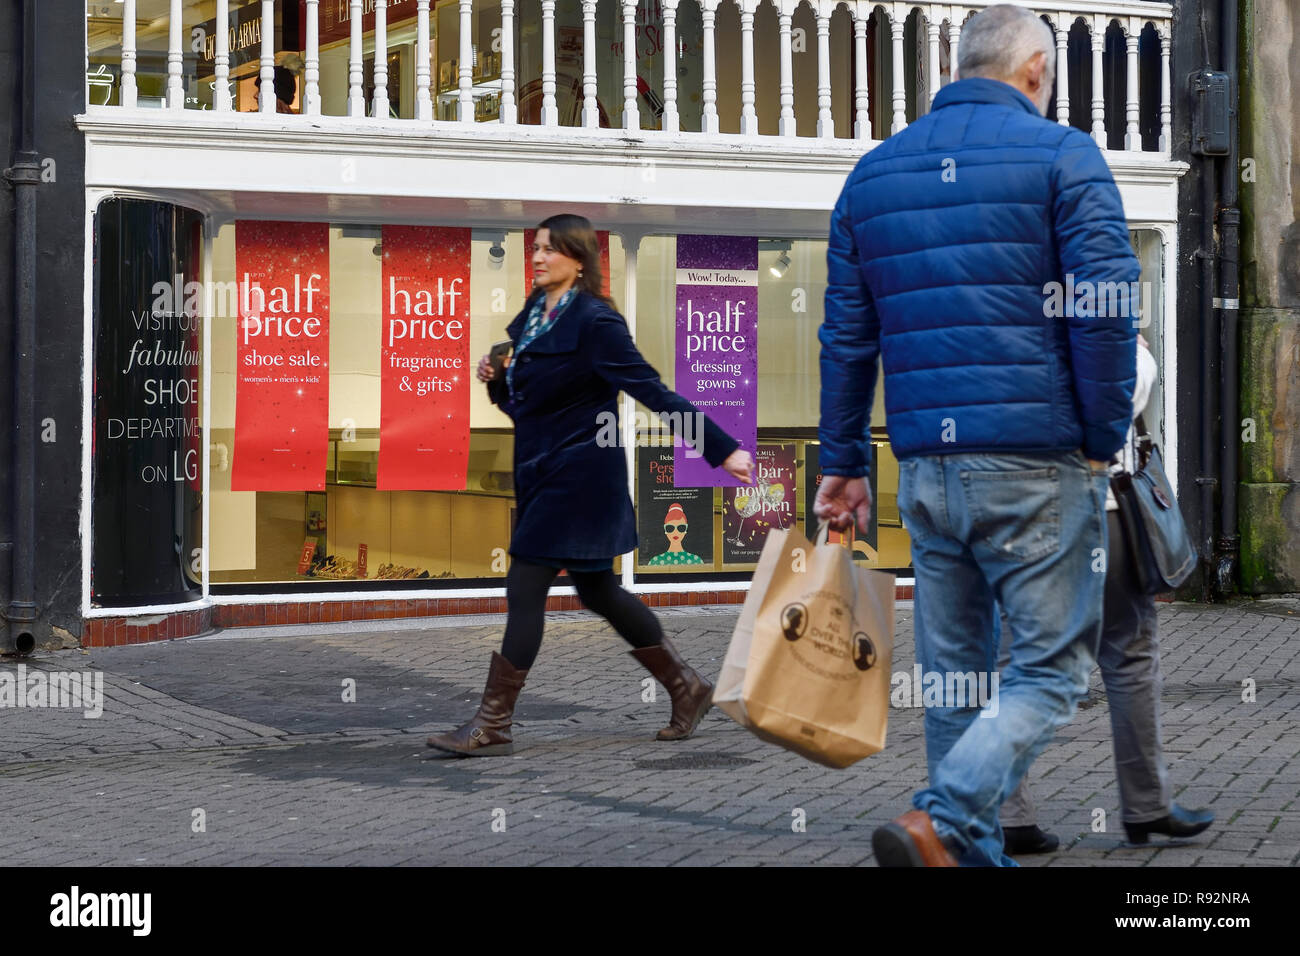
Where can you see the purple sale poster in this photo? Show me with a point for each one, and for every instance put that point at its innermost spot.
(717, 345)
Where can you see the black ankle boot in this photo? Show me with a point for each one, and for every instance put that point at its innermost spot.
(1019, 841)
(1179, 823)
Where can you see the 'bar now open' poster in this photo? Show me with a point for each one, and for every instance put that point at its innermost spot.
(282, 356)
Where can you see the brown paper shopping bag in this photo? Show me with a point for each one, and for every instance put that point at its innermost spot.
(809, 661)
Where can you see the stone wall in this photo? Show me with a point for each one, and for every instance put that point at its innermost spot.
(1270, 317)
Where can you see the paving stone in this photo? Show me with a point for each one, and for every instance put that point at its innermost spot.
(251, 726)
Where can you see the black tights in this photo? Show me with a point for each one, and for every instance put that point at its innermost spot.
(527, 585)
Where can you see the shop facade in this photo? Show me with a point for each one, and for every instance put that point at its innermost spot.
(453, 128)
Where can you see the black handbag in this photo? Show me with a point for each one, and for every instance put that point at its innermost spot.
(1153, 526)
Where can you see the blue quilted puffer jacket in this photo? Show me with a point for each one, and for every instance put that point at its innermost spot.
(945, 245)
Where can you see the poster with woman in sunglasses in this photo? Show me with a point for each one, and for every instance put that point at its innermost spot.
(664, 509)
(675, 528)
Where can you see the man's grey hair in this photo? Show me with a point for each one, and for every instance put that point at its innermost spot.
(997, 42)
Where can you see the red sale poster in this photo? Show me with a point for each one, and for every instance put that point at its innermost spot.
(282, 356)
(602, 238)
(425, 371)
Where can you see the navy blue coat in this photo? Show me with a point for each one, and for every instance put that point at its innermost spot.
(571, 490)
(944, 246)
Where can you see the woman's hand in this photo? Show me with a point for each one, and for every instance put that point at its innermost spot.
(486, 372)
(740, 465)
(1143, 342)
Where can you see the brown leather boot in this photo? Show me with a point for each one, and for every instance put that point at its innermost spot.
(911, 841)
(488, 733)
(691, 694)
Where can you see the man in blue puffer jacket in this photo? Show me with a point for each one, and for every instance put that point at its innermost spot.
(982, 253)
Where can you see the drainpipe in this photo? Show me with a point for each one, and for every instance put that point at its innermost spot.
(24, 175)
(1225, 568)
(1209, 344)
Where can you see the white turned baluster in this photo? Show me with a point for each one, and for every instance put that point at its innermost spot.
(266, 92)
(356, 91)
(508, 62)
(1063, 70)
(465, 101)
(1098, 90)
(954, 38)
(311, 68)
(379, 107)
(1132, 137)
(590, 109)
(896, 24)
(128, 97)
(1165, 117)
(787, 126)
(222, 101)
(748, 115)
(932, 34)
(550, 112)
(631, 115)
(175, 57)
(221, 98)
(708, 11)
(862, 111)
(423, 63)
(671, 119)
(825, 122)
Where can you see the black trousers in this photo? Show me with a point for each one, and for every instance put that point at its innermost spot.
(527, 585)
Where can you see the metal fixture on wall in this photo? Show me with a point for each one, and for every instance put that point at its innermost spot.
(24, 175)
(1227, 303)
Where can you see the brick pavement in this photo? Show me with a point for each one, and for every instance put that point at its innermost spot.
(251, 728)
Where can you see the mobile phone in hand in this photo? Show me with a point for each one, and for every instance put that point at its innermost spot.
(497, 356)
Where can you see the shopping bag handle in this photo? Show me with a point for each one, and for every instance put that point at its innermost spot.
(823, 536)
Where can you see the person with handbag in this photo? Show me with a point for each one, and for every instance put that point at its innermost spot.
(572, 355)
(1129, 658)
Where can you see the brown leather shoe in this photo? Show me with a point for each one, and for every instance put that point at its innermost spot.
(488, 733)
(910, 841)
(691, 694)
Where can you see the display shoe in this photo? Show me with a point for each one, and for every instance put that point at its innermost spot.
(1179, 823)
(1020, 841)
(691, 694)
(911, 841)
(488, 733)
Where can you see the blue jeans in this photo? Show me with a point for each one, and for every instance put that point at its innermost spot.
(1028, 532)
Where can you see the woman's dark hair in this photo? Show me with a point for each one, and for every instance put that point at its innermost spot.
(574, 237)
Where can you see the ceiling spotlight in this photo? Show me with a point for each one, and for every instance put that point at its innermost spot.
(778, 268)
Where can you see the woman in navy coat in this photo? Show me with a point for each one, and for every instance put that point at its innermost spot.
(573, 354)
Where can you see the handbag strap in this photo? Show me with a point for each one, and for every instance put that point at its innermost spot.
(1142, 443)
(1141, 446)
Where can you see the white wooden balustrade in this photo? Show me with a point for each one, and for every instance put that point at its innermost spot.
(876, 27)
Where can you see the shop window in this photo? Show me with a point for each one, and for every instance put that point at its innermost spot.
(104, 40)
(270, 539)
(714, 531)
(266, 538)
(1150, 248)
